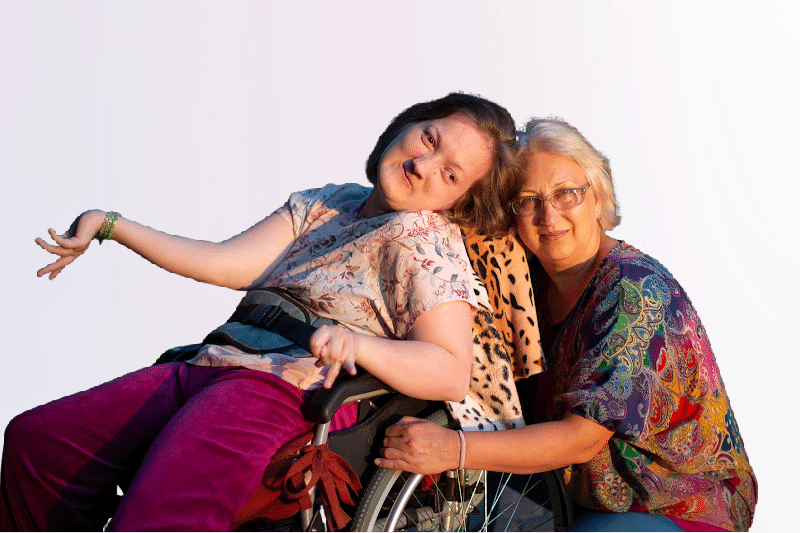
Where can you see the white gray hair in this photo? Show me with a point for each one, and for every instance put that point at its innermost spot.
(554, 135)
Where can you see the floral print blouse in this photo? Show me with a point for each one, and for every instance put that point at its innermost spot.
(373, 275)
(633, 356)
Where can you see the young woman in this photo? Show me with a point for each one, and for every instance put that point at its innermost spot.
(191, 440)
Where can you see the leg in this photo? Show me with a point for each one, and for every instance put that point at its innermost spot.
(207, 461)
(63, 460)
(597, 521)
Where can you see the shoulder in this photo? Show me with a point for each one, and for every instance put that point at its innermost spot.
(314, 207)
(331, 194)
(425, 239)
(629, 281)
(422, 227)
(625, 262)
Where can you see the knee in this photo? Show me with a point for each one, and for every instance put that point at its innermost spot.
(25, 431)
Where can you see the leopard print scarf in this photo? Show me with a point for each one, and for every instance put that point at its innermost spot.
(506, 344)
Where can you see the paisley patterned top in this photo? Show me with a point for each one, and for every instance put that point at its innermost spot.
(633, 356)
(373, 275)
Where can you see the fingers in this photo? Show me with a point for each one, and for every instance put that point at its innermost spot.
(399, 454)
(317, 341)
(350, 367)
(393, 455)
(63, 245)
(46, 246)
(400, 427)
(330, 377)
(74, 242)
(55, 268)
(403, 451)
(65, 257)
(68, 240)
(55, 273)
(334, 345)
(393, 464)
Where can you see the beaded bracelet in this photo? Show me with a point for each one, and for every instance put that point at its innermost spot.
(107, 227)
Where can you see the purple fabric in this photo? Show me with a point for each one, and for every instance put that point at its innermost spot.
(190, 443)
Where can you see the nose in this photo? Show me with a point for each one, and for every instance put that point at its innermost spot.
(422, 166)
(410, 167)
(546, 215)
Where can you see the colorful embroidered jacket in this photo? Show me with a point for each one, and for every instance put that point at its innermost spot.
(633, 356)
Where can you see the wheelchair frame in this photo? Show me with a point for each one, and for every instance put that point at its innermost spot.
(460, 488)
(463, 490)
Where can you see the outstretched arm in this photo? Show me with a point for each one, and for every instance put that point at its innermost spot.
(432, 363)
(237, 263)
(424, 447)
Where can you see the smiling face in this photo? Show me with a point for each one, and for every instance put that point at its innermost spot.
(560, 239)
(429, 166)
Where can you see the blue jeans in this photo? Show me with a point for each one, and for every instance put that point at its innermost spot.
(588, 520)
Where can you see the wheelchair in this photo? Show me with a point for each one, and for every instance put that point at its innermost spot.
(391, 500)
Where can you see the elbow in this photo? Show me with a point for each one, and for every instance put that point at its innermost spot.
(584, 456)
(459, 389)
(586, 453)
(588, 438)
(458, 394)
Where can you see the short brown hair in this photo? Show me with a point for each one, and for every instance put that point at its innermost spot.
(483, 207)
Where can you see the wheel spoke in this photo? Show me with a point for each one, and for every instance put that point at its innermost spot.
(467, 500)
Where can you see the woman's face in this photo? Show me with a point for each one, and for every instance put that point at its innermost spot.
(430, 165)
(560, 239)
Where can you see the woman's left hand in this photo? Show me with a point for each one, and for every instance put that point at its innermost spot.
(71, 244)
(419, 446)
(335, 346)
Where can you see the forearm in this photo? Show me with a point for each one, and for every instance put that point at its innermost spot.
(237, 263)
(415, 368)
(537, 447)
(198, 260)
(423, 447)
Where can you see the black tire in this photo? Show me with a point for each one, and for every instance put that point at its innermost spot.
(459, 500)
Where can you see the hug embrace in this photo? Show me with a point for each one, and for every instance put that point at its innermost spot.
(630, 398)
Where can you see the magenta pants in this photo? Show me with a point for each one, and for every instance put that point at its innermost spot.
(188, 443)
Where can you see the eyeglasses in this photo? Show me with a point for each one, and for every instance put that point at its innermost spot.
(560, 200)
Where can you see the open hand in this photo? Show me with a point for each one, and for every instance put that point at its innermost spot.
(335, 346)
(71, 244)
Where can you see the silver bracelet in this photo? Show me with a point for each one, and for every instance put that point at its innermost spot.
(462, 454)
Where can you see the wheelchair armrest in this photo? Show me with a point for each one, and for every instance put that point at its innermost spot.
(324, 403)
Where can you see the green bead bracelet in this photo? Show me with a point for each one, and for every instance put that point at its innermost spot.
(107, 227)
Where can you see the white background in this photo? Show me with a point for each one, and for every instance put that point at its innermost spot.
(199, 118)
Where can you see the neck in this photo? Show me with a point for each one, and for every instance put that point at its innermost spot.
(371, 207)
(568, 283)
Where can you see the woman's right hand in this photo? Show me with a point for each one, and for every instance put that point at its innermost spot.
(419, 446)
(71, 244)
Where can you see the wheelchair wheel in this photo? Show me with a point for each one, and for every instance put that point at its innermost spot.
(471, 500)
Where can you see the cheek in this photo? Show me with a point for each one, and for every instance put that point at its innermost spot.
(526, 233)
(585, 231)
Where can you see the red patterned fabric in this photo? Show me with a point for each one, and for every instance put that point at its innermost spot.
(283, 491)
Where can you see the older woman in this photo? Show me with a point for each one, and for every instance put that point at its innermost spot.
(192, 440)
(632, 401)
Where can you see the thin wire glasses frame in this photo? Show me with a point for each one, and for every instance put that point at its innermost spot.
(560, 200)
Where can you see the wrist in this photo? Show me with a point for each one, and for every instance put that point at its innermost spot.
(106, 228)
(462, 449)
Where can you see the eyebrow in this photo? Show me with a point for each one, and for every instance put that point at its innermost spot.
(559, 187)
